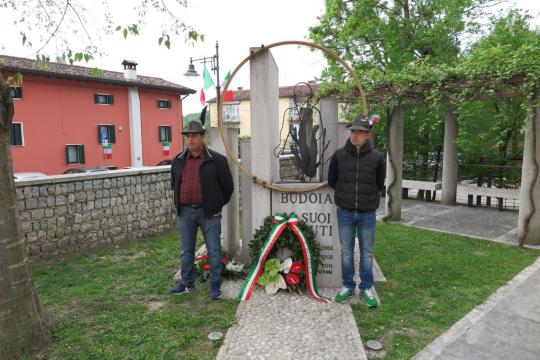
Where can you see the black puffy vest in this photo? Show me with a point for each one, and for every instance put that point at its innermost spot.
(356, 187)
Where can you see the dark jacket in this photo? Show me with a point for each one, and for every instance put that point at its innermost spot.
(216, 181)
(357, 177)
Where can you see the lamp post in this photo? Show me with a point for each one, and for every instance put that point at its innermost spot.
(214, 66)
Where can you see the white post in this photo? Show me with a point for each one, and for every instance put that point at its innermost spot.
(450, 160)
(135, 127)
(265, 117)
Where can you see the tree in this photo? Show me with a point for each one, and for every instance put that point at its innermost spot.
(490, 131)
(23, 321)
(406, 42)
(382, 40)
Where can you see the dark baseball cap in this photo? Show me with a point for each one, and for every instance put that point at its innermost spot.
(193, 127)
(361, 123)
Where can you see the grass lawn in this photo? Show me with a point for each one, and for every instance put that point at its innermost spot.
(434, 279)
(115, 304)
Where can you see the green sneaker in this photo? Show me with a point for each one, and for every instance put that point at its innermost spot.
(368, 297)
(344, 295)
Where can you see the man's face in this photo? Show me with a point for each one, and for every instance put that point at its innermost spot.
(358, 137)
(195, 142)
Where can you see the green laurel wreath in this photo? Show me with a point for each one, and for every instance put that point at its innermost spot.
(288, 240)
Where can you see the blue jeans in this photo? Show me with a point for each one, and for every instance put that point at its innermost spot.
(351, 223)
(188, 221)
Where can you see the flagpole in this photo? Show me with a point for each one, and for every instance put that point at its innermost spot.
(214, 62)
(218, 86)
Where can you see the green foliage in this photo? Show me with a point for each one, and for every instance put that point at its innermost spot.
(132, 29)
(287, 240)
(16, 80)
(76, 36)
(270, 273)
(415, 45)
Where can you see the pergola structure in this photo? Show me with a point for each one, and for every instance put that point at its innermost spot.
(529, 217)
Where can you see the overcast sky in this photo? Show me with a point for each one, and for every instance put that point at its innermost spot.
(236, 24)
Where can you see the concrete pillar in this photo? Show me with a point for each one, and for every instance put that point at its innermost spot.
(342, 134)
(529, 200)
(245, 188)
(329, 114)
(135, 127)
(265, 118)
(450, 160)
(230, 214)
(394, 175)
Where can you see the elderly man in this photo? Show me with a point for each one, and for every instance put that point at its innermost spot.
(202, 185)
(357, 173)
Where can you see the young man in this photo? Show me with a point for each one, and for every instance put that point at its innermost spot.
(202, 185)
(357, 173)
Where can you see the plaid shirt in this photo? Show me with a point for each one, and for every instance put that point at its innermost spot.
(190, 186)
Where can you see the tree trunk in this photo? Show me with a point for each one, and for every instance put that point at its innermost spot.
(23, 321)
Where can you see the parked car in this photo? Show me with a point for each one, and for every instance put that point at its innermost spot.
(27, 175)
(86, 170)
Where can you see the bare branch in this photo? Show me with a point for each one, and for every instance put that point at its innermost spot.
(55, 30)
(80, 20)
(45, 9)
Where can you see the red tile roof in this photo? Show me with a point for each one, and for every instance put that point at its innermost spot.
(75, 72)
(284, 92)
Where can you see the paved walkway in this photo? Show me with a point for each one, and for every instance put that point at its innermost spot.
(290, 326)
(506, 326)
(287, 326)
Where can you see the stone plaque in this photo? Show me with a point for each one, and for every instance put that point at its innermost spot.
(317, 209)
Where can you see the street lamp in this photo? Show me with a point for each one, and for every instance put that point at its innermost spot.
(214, 66)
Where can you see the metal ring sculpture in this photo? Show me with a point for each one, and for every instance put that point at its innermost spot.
(255, 53)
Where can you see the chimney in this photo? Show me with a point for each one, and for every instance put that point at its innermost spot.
(130, 70)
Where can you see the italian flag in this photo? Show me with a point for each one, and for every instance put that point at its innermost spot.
(107, 151)
(202, 97)
(228, 95)
(166, 148)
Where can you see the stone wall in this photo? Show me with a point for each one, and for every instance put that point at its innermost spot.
(65, 214)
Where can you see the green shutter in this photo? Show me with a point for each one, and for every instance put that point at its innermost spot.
(15, 134)
(67, 154)
(12, 139)
(159, 134)
(169, 134)
(112, 137)
(18, 134)
(111, 97)
(99, 134)
(80, 148)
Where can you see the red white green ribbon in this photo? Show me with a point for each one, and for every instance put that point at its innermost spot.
(281, 221)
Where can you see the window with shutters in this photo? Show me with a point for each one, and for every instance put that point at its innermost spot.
(16, 135)
(165, 133)
(15, 92)
(106, 134)
(75, 154)
(103, 99)
(164, 104)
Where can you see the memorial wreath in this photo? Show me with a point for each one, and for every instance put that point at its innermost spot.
(294, 273)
